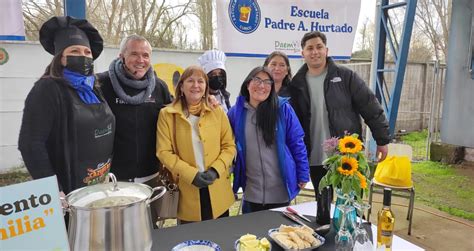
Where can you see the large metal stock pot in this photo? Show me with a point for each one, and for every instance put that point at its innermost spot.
(111, 216)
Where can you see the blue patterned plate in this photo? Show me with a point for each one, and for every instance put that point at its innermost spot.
(197, 245)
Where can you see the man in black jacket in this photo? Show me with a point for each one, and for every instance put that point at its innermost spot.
(329, 100)
(135, 95)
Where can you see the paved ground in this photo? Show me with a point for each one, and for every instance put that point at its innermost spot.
(431, 228)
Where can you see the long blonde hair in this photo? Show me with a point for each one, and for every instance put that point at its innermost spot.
(188, 72)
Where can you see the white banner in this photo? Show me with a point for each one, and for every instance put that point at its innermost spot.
(252, 28)
(11, 20)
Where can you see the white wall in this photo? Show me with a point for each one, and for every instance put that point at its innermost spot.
(27, 61)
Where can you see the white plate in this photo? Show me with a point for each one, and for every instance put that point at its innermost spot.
(317, 236)
(197, 245)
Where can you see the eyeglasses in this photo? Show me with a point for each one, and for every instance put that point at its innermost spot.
(259, 81)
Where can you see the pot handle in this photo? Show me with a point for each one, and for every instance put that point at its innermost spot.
(163, 191)
(64, 205)
(111, 177)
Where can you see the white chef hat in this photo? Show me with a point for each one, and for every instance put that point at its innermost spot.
(211, 60)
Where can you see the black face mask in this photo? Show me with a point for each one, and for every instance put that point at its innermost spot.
(216, 82)
(80, 64)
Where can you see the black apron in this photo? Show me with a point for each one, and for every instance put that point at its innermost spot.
(93, 133)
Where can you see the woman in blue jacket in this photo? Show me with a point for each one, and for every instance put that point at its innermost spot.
(272, 164)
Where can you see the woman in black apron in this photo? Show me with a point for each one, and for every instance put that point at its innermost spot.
(67, 128)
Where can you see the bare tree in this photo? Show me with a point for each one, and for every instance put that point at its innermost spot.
(203, 10)
(367, 34)
(156, 20)
(365, 40)
(421, 49)
(108, 17)
(35, 13)
(153, 19)
(432, 18)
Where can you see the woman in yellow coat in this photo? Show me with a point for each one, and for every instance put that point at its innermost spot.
(200, 154)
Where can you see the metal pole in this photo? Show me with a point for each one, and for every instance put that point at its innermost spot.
(441, 75)
(423, 94)
(432, 109)
(378, 61)
(75, 8)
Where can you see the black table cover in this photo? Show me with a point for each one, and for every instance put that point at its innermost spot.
(226, 231)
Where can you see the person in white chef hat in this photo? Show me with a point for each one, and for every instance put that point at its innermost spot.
(213, 63)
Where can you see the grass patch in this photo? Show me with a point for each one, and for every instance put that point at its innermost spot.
(415, 136)
(13, 177)
(457, 212)
(417, 140)
(442, 186)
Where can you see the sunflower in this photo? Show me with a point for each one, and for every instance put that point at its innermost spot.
(348, 166)
(363, 184)
(363, 181)
(350, 144)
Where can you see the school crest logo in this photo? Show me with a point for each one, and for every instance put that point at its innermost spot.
(244, 15)
(3, 56)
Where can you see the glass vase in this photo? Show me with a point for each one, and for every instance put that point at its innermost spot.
(351, 215)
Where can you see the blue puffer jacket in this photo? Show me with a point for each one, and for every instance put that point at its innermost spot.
(292, 156)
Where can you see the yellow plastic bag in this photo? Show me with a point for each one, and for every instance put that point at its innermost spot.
(394, 171)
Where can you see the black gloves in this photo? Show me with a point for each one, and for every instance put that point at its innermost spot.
(204, 179)
(211, 174)
(201, 181)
